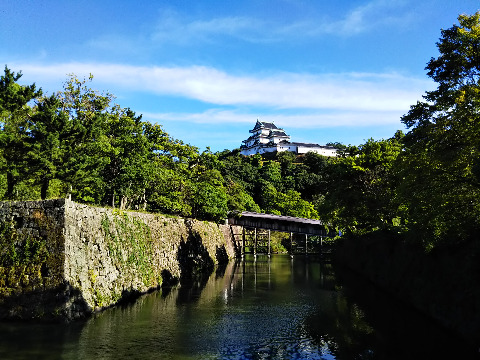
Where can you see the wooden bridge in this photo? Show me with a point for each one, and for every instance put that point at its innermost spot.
(256, 232)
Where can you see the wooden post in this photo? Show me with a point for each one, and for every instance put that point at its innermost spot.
(243, 242)
(306, 244)
(269, 243)
(255, 242)
(291, 244)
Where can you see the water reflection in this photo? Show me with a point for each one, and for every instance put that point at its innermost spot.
(261, 308)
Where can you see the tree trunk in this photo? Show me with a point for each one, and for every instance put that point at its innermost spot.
(123, 202)
(44, 188)
(10, 184)
(144, 200)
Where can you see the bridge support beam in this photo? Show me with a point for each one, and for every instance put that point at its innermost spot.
(306, 244)
(291, 244)
(243, 242)
(269, 249)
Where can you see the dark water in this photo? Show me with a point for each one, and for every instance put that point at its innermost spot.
(278, 308)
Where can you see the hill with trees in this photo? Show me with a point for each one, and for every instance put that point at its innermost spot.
(424, 184)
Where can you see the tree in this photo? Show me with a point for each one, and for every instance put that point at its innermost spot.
(291, 204)
(210, 202)
(210, 198)
(88, 112)
(271, 172)
(442, 149)
(269, 198)
(47, 155)
(129, 167)
(287, 160)
(173, 163)
(241, 170)
(14, 113)
(310, 179)
(361, 188)
(238, 198)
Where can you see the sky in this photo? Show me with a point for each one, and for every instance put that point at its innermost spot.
(324, 71)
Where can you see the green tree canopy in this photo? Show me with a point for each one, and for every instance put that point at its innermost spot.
(14, 113)
(360, 195)
(442, 149)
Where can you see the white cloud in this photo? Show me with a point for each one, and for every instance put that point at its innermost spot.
(347, 91)
(119, 43)
(336, 119)
(377, 13)
(174, 28)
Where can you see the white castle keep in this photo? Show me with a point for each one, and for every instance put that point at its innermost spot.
(266, 137)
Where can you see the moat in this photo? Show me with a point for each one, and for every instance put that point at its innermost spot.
(259, 308)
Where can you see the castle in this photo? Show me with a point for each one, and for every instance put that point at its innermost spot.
(266, 137)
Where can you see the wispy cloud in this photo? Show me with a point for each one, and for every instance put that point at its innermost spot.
(119, 43)
(374, 14)
(346, 91)
(176, 28)
(311, 120)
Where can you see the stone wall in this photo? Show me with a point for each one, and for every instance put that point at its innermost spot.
(63, 260)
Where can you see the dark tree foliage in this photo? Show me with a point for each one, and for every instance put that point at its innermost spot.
(14, 114)
(78, 143)
(48, 143)
(441, 186)
(425, 184)
(360, 195)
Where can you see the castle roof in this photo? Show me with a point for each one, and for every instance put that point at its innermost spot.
(277, 133)
(312, 145)
(263, 125)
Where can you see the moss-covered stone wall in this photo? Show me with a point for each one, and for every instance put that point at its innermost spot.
(63, 260)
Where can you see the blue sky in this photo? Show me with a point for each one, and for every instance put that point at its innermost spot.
(325, 71)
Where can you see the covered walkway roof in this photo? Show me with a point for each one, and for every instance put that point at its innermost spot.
(278, 223)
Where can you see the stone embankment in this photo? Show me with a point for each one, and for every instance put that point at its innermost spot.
(63, 260)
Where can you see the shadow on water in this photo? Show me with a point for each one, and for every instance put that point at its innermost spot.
(37, 341)
(384, 327)
(261, 308)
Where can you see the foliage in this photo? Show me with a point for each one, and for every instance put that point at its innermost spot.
(48, 138)
(425, 183)
(209, 202)
(238, 199)
(130, 245)
(361, 188)
(441, 163)
(14, 114)
(15, 252)
(78, 142)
